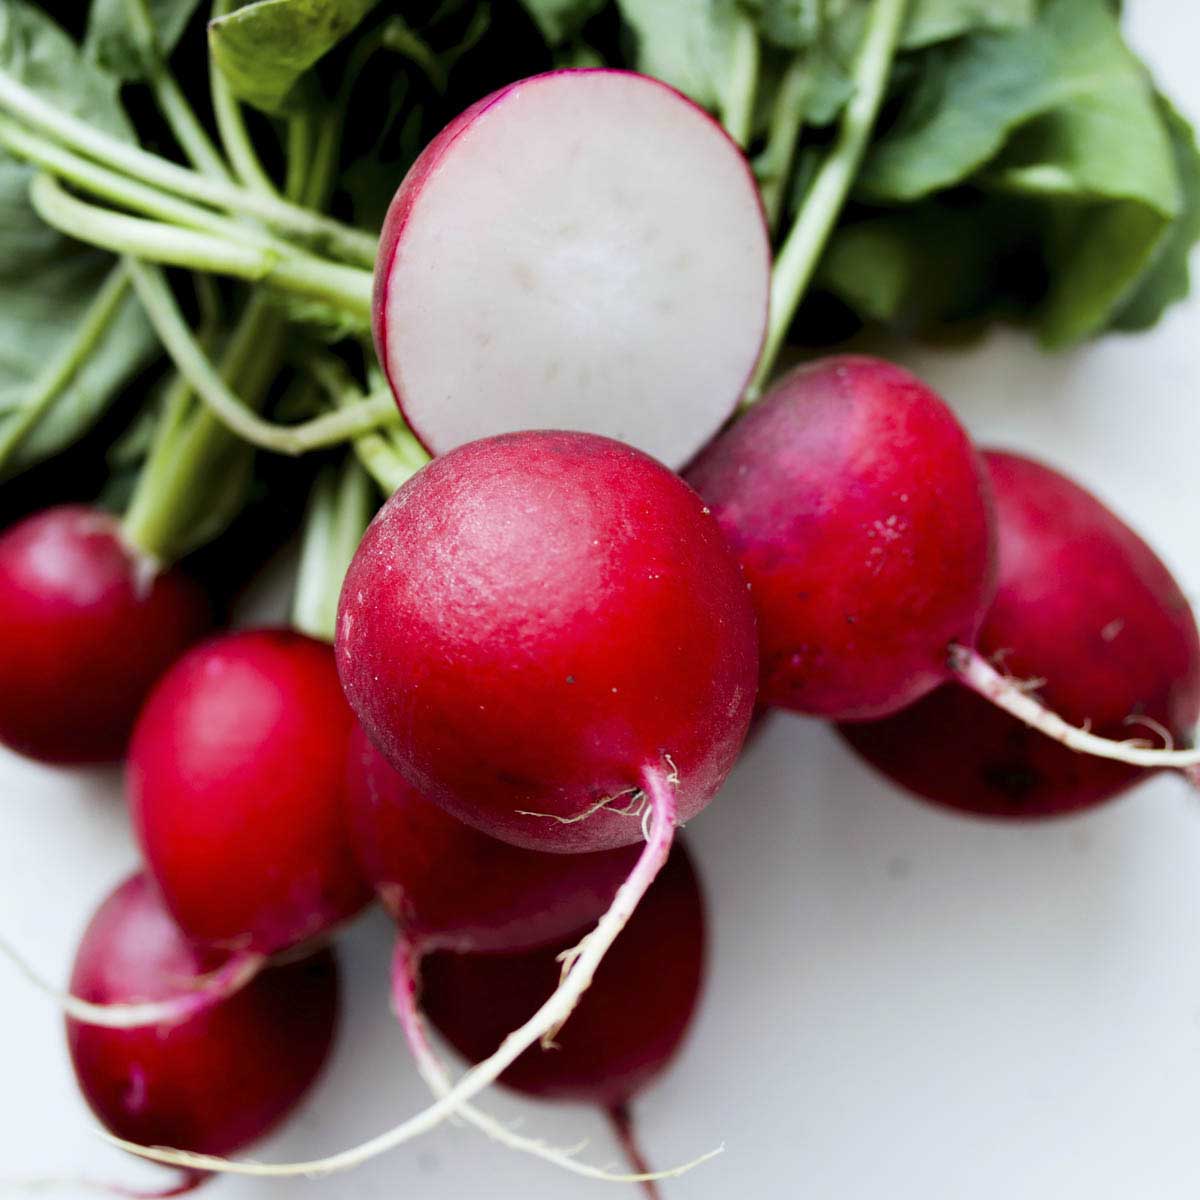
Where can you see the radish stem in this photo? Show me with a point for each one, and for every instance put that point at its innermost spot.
(341, 241)
(804, 244)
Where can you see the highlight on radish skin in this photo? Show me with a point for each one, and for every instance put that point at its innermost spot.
(499, 899)
(88, 627)
(217, 1081)
(1091, 622)
(628, 1026)
(537, 240)
(544, 632)
(237, 785)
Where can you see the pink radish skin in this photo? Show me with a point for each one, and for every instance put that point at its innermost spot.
(1083, 605)
(237, 786)
(536, 620)
(627, 1028)
(539, 236)
(497, 898)
(88, 628)
(216, 1082)
(861, 515)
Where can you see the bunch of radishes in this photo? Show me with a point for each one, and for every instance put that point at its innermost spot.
(549, 646)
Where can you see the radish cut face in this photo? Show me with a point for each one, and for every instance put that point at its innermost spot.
(581, 250)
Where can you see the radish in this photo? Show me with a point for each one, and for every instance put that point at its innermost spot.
(862, 518)
(88, 627)
(546, 634)
(217, 1081)
(859, 511)
(1087, 610)
(500, 899)
(628, 1026)
(237, 782)
(551, 260)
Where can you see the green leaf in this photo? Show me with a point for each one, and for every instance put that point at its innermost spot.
(47, 281)
(932, 21)
(792, 24)
(111, 43)
(686, 43)
(975, 93)
(1168, 279)
(927, 265)
(265, 49)
(561, 20)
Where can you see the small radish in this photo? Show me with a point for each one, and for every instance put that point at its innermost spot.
(628, 1026)
(88, 627)
(862, 518)
(500, 899)
(217, 1081)
(860, 513)
(546, 634)
(1087, 610)
(237, 783)
(550, 260)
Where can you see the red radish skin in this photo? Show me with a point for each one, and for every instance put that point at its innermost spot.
(218, 1081)
(1083, 605)
(861, 515)
(544, 623)
(448, 886)
(535, 619)
(88, 628)
(627, 1028)
(237, 787)
(536, 239)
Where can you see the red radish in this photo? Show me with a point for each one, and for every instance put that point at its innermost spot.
(498, 899)
(545, 633)
(628, 1026)
(860, 513)
(547, 263)
(217, 1081)
(237, 783)
(537, 621)
(88, 627)
(862, 517)
(1085, 608)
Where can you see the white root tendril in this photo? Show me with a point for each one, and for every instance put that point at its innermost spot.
(209, 989)
(404, 1003)
(976, 673)
(636, 803)
(549, 1016)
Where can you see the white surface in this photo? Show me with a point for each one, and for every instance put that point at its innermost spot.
(903, 1004)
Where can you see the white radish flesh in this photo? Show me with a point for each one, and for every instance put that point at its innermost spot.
(582, 250)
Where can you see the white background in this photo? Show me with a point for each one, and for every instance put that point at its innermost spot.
(903, 1004)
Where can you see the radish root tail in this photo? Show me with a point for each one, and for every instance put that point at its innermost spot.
(661, 792)
(622, 1123)
(208, 990)
(975, 672)
(405, 988)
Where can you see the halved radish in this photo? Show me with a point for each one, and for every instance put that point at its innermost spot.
(581, 250)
